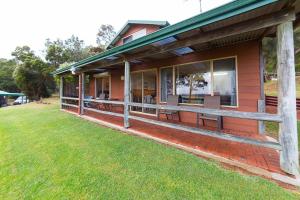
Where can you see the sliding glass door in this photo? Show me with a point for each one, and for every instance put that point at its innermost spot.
(143, 90)
(136, 90)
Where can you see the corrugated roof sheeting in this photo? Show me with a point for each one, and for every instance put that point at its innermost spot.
(222, 16)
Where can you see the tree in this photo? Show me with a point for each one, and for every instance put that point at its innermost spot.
(269, 53)
(193, 82)
(7, 83)
(105, 35)
(74, 48)
(68, 51)
(269, 48)
(32, 74)
(23, 53)
(56, 53)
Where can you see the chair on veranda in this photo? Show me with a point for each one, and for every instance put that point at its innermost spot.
(172, 100)
(87, 103)
(213, 102)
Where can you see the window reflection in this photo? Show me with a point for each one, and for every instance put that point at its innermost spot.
(193, 82)
(225, 81)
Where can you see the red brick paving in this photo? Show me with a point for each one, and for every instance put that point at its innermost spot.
(261, 157)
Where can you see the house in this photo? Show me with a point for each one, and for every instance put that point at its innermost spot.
(216, 53)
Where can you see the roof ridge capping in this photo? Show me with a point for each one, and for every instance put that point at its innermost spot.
(225, 11)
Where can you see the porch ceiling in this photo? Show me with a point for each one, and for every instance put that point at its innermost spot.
(252, 24)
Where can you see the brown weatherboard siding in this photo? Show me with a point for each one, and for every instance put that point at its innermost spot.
(248, 81)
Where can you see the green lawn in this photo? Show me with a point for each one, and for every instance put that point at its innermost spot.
(273, 127)
(48, 154)
(271, 87)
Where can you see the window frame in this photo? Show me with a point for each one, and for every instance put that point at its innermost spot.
(95, 86)
(157, 90)
(212, 80)
(133, 36)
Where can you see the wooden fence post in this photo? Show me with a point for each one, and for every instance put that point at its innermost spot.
(289, 160)
(61, 86)
(261, 108)
(82, 93)
(126, 94)
(79, 93)
(261, 102)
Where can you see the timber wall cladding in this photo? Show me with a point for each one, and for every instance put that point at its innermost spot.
(248, 81)
(135, 28)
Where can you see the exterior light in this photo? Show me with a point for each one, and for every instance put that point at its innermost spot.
(73, 70)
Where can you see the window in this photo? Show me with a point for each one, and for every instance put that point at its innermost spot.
(102, 86)
(166, 77)
(225, 81)
(135, 36)
(194, 81)
(143, 90)
(127, 39)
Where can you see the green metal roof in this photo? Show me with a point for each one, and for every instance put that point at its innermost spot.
(220, 13)
(3, 93)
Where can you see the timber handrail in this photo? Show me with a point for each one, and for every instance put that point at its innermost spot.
(71, 105)
(224, 136)
(70, 98)
(217, 112)
(229, 137)
(104, 101)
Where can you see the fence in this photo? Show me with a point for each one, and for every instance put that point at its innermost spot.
(273, 101)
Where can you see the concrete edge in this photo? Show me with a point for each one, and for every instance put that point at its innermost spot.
(249, 168)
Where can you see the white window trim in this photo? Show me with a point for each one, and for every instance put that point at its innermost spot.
(212, 81)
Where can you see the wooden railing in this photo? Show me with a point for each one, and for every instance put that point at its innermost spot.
(63, 103)
(225, 113)
(273, 101)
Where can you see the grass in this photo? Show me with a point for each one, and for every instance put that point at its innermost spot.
(273, 127)
(48, 154)
(271, 87)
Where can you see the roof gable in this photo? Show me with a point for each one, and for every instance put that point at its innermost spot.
(130, 23)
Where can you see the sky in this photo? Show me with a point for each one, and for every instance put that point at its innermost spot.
(31, 22)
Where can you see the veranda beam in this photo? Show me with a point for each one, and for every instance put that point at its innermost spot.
(287, 99)
(126, 94)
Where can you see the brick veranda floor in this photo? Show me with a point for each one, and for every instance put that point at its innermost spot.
(261, 157)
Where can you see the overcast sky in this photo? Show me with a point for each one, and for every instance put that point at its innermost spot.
(31, 22)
